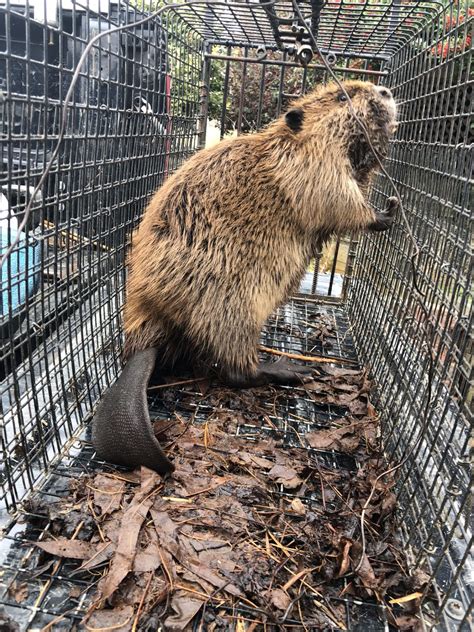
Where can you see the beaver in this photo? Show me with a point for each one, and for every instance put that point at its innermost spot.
(227, 239)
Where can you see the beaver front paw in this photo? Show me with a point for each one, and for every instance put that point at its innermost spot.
(384, 220)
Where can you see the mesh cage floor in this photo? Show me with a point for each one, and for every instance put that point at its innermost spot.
(38, 591)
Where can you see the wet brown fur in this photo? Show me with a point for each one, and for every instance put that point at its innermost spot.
(230, 235)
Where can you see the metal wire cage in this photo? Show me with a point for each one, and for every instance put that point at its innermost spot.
(140, 107)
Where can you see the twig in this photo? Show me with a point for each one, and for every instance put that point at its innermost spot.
(118, 626)
(188, 424)
(300, 588)
(56, 568)
(81, 239)
(299, 596)
(161, 386)
(298, 576)
(211, 596)
(57, 619)
(166, 570)
(305, 358)
(140, 605)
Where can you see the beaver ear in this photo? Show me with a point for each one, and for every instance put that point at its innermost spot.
(294, 119)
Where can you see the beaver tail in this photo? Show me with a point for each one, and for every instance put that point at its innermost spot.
(122, 431)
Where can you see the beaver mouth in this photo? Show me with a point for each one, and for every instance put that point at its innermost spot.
(362, 157)
(381, 123)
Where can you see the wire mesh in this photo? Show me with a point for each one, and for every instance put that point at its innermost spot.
(372, 28)
(58, 594)
(138, 112)
(134, 119)
(431, 162)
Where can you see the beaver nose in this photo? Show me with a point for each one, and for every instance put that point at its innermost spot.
(384, 92)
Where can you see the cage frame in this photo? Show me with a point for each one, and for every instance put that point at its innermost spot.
(455, 601)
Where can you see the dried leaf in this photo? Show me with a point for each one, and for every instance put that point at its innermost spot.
(198, 540)
(203, 386)
(419, 579)
(167, 534)
(210, 576)
(298, 507)
(218, 559)
(73, 549)
(338, 372)
(279, 598)
(119, 619)
(148, 559)
(132, 521)
(252, 459)
(7, 624)
(347, 399)
(19, 592)
(297, 577)
(108, 493)
(318, 387)
(185, 607)
(348, 443)
(103, 552)
(261, 462)
(371, 411)
(286, 476)
(345, 559)
(343, 439)
(240, 625)
(389, 504)
(321, 439)
(366, 573)
(410, 623)
(406, 598)
(346, 388)
(358, 407)
(166, 531)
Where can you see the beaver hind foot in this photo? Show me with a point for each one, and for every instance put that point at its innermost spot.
(122, 432)
(281, 372)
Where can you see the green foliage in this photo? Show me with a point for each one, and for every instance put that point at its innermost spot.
(246, 100)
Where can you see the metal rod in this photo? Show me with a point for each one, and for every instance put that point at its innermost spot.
(225, 95)
(270, 47)
(275, 24)
(333, 267)
(204, 101)
(290, 64)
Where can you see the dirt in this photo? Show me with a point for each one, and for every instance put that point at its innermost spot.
(251, 532)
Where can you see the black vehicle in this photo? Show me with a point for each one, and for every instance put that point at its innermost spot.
(121, 108)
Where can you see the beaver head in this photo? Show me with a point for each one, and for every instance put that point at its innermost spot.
(325, 115)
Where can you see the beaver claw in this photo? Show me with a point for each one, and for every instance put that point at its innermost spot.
(284, 372)
(384, 220)
(122, 432)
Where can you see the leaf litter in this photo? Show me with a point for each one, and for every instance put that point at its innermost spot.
(250, 532)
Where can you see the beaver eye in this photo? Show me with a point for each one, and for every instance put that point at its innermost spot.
(342, 97)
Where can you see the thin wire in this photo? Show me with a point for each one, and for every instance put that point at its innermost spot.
(414, 275)
(75, 77)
